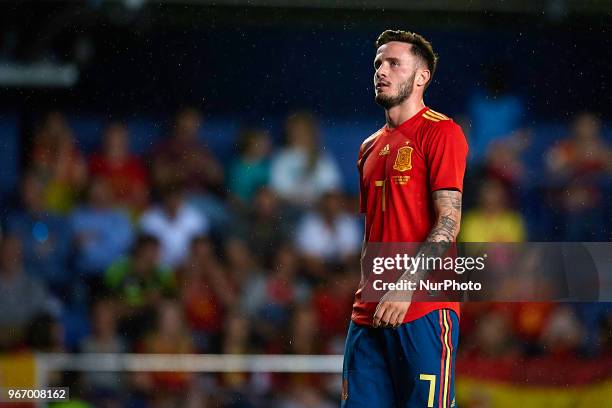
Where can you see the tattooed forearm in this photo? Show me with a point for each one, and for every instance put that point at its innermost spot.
(444, 230)
(447, 205)
(447, 199)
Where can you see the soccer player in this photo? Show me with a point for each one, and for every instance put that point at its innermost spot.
(401, 353)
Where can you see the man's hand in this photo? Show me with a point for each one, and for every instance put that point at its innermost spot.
(392, 308)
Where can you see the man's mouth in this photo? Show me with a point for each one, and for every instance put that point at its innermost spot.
(381, 85)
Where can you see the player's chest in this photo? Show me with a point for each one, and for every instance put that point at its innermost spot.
(394, 158)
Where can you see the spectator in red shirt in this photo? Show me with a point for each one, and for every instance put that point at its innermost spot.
(182, 158)
(583, 153)
(206, 293)
(332, 301)
(171, 336)
(124, 171)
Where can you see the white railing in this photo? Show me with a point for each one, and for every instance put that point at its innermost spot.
(203, 363)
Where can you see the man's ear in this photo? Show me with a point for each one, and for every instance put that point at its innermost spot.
(423, 76)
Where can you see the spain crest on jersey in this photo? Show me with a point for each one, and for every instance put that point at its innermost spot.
(403, 161)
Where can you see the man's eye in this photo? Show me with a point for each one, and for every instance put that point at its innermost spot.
(395, 63)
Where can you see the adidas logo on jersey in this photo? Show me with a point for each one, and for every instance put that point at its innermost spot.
(384, 150)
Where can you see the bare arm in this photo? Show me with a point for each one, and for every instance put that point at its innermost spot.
(447, 205)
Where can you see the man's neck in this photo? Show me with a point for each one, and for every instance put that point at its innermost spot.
(400, 113)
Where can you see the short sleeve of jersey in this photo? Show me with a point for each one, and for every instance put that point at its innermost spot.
(446, 150)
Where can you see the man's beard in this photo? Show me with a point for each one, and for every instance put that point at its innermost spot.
(405, 90)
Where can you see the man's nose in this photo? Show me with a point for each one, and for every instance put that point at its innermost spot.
(381, 73)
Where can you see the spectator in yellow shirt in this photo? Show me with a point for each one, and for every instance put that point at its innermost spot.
(492, 220)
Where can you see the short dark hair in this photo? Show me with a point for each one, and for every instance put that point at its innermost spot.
(247, 136)
(303, 117)
(421, 48)
(143, 240)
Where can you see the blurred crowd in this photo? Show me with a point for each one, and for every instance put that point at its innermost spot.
(175, 251)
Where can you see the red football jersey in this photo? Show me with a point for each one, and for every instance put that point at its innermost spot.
(398, 171)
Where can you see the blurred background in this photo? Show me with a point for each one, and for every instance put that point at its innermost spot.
(179, 177)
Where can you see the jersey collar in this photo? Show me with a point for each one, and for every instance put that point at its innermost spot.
(407, 122)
